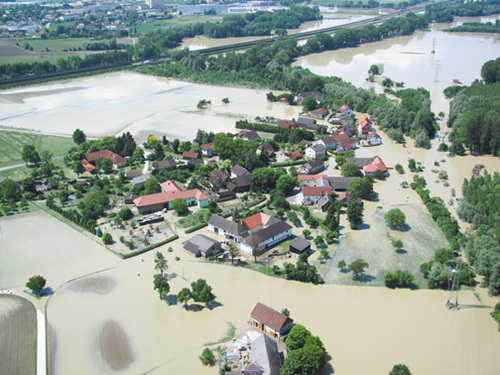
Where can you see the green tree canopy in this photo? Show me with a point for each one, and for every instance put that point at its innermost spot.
(395, 218)
(79, 137)
(30, 155)
(36, 284)
(161, 284)
(357, 267)
(286, 184)
(184, 296)
(350, 169)
(400, 370)
(180, 206)
(201, 291)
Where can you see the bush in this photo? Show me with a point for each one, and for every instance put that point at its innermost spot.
(125, 213)
(399, 168)
(398, 279)
(207, 357)
(107, 239)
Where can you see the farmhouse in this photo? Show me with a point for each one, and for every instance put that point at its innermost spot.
(340, 183)
(218, 178)
(374, 139)
(328, 142)
(287, 124)
(171, 191)
(265, 358)
(311, 180)
(201, 245)
(308, 123)
(240, 184)
(117, 160)
(376, 165)
(294, 155)
(312, 167)
(270, 321)
(315, 151)
(319, 113)
(365, 125)
(226, 228)
(313, 194)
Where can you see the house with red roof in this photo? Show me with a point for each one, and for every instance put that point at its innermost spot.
(287, 124)
(365, 125)
(312, 194)
(266, 147)
(88, 167)
(319, 113)
(189, 155)
(171, 191)
(295, 155)
(92, 157)
(310, 180)
(376, 165)
(270, 321)
(207, 149)
(344, 109)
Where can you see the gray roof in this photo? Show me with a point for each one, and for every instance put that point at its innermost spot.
(141, 179)
(362, 162)
(314, 163)
(200, 244)
(241, 181)
(265, 354)
(133, 173)
(238, 170)
(164, 164)
(225, 224)
(307, 122)
(273, 228)
(340, 183)
(300, 244)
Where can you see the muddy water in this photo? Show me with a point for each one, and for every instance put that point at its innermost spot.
(120, 102)
(409, 59)
(365, 330)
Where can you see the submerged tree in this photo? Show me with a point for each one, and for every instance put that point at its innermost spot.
(36, 284)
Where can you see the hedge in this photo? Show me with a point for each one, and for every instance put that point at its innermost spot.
(244, 124)
(147, 248)
(196, 227)
(288, 163)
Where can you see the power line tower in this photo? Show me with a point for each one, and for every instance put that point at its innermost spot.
(452, 302)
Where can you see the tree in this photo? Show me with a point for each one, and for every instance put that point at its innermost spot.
(297, 337)
(309, 103)
(306, 233)
(363, 188)
(94, 203)
(36, 284)
(106, 165)
(319, 241)
(395, 218)
(184, 296)
(161, 284)
(207, 357)
(398, 279)
(180, 206)
(161, 263)
(30, 155)
(233, 250)
(125, 213)
(357, 267)
(286, 184)
(354, 211)
(77, 167)
(107, 239)
(341, 264)
(350, 169)
(285, 312)
(151, 186)
(79, 137)
(400, 370)
(10, 190)
(374, 70)
(201, 292)
(397, 244)
(298, 362)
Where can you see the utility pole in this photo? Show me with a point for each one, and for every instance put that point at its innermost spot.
(452, 302)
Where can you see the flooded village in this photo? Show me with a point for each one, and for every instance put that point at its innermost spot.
(103, 315)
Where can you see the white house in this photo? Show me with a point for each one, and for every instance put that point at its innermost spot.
(315, 151)
(374, 139)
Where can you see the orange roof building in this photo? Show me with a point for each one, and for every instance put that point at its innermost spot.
(376, 165)
(116, 159)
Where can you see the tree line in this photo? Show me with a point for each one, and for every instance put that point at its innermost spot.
(475, 114)
(445, 12)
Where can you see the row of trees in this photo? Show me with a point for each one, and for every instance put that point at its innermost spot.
(445, 12)
(480, 206)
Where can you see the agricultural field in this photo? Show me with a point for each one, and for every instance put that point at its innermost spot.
(176, 21)
(54, 45)
(12, 142)
(18, 336)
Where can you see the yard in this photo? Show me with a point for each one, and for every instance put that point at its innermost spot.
(18, 336)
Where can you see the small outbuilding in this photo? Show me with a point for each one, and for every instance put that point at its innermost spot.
(270, 321)
(299, 246)
(201, 245)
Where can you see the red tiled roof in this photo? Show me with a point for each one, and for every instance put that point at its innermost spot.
(316, 190)
(313, 177)
(376, 164)
(295, 154)
(343, 108)
(320, 111)
(170, 186)
(206, 146)
(365, 121)
(88, 167)
(341, 137)
(189, 155)
(259, 218)
(287, 124)
(107, 154)
(168, 196)
(269, 317)
(343, 195)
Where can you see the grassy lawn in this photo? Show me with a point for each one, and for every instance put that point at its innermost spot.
(55, 45)
(11, 145)
(195, 218)
(176, 21)
(18, 337)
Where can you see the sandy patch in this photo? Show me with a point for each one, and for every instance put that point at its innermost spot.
(94, 284)
(113, 346)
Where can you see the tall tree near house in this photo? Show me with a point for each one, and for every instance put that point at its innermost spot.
(161, 263)
(77, 167)
(233, 250)
(30, 155)
(354, 212)
(79, 137)
(253, 241)
(357, 267)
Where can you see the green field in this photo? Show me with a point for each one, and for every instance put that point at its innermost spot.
(18, 336)
(176, 21)
(54, 45)
(11, 144)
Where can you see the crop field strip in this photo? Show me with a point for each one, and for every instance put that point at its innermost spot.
(18, 336)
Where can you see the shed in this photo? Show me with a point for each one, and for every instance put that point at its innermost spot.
(201, 245)
(299, 246)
